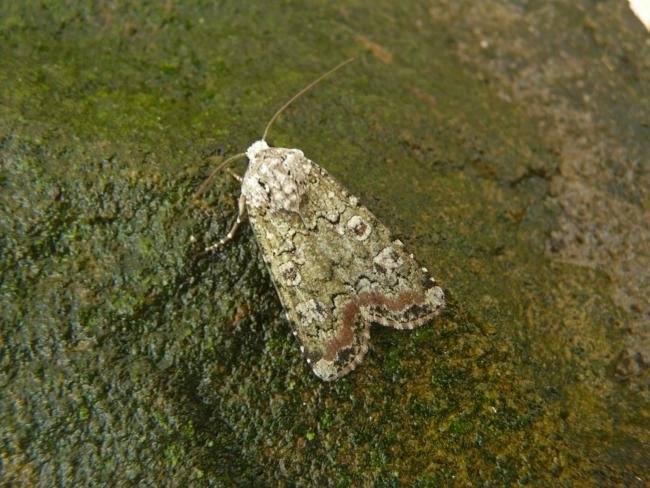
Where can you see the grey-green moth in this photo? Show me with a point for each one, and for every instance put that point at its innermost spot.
(335, 266)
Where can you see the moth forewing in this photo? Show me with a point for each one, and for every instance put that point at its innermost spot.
(336, 267)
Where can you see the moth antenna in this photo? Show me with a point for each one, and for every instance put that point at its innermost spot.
(207, 181)
(301, 93)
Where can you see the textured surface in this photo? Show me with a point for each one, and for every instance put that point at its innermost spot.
(336, 267)
(505, 143)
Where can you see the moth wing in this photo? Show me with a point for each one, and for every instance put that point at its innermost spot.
(337, 269)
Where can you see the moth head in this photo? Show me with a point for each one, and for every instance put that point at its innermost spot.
(255, 148)
(276, 178)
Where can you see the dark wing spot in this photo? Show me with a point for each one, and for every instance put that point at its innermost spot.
(360, 229)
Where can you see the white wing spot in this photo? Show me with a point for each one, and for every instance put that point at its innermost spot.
(359, 228)
(311, 311)
(435, 296)
(387, 260)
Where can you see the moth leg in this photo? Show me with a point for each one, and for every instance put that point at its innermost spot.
(235, 175)
(240, 217)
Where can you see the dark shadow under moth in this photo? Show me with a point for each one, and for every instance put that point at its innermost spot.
(336, 267)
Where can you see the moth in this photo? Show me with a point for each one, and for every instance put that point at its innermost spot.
(335, 266)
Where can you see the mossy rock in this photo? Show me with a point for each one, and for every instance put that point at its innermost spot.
(130, 356)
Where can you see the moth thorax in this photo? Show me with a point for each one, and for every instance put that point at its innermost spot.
(276, 178)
